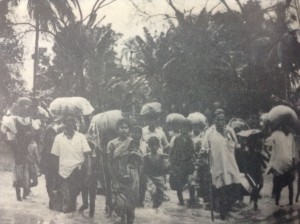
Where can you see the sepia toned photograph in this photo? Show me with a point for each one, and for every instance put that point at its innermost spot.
(149, 111)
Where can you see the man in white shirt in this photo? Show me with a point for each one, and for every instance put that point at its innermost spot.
(72, 149)
(282, 161)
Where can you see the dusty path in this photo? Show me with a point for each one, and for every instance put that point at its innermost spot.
(34, 210)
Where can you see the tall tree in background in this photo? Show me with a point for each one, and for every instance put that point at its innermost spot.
(85, 58)
(218, 56)
(11, 53)
(47, 15)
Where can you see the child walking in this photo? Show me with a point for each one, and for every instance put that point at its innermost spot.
(155, 168)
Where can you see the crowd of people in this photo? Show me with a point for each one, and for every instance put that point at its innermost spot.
(214, 161)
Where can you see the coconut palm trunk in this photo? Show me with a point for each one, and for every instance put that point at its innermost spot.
(36, 53)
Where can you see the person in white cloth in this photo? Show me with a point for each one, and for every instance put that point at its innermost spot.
(221, 141)
(72, 149)
(282, 161)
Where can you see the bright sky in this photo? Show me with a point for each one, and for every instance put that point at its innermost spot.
(123, 17)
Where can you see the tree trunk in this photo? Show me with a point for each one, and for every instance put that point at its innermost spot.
(36, 54)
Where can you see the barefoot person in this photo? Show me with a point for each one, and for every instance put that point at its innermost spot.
(72, 149)
(155, 170)
(221, 141)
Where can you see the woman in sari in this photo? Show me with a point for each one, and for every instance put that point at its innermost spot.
(124, 158)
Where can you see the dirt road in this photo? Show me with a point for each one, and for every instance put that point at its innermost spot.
(34, 210)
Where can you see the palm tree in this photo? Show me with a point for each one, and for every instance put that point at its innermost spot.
(48, 15)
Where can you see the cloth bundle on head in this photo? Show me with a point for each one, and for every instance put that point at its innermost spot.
(197, 118)
(175, 119)
(101, 124)
(77, 106)
(151, 108)
(282, 115)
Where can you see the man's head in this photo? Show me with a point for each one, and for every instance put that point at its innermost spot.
(220, 120)
(197, 128)
(153, 144)
(186, 126)
(152, 120)
(70, 122)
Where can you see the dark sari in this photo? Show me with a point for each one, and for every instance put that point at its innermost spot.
(125, 161)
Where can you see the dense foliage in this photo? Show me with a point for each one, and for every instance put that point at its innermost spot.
(11, 55)
(240, 58)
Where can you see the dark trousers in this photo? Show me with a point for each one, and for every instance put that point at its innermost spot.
(71, 187)
(226, 196)
(50, 182)
(282, 181)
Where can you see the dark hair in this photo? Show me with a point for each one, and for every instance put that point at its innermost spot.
(153, 141)
(186, 124)
(137, 129)
(123, 121)
(67, 117)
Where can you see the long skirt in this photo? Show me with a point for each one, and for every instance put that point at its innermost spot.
(21, 176)
(131, 187)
